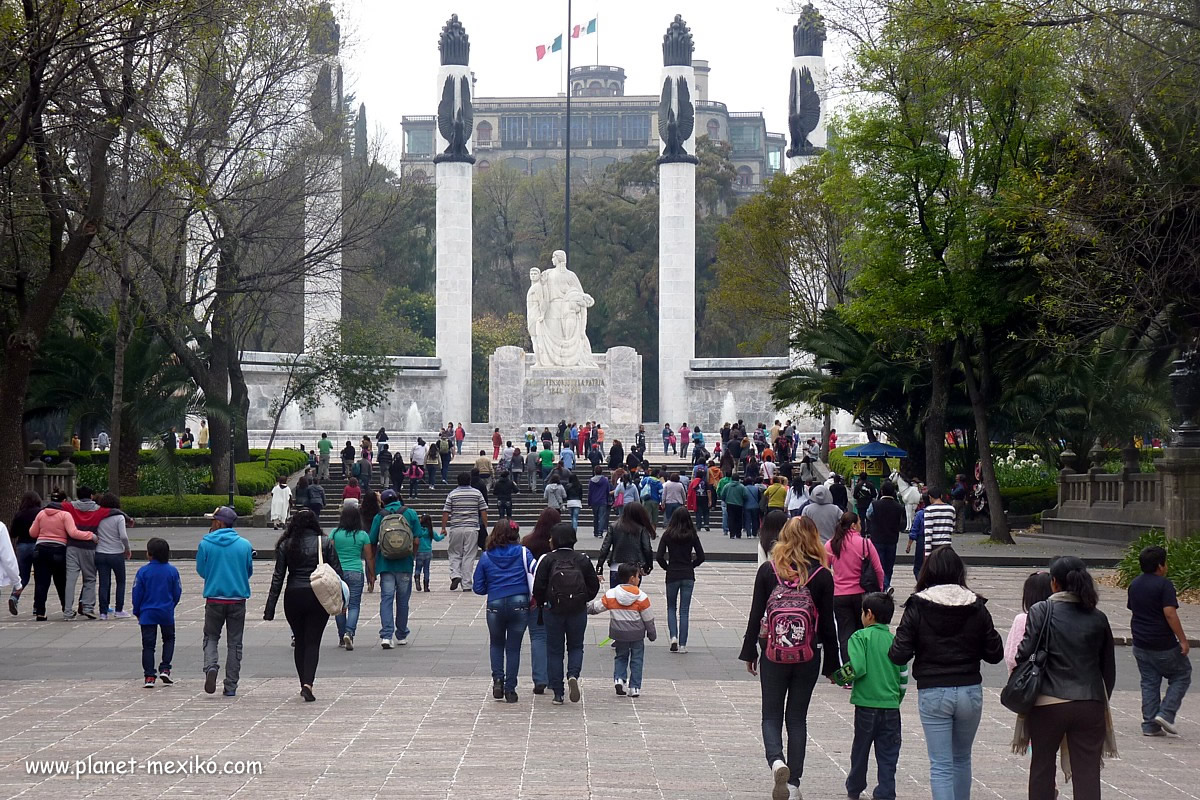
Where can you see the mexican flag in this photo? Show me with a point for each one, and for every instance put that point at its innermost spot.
(553, 47)
(580, 30)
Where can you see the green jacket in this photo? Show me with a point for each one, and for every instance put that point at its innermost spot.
(735, 493)
(878, 683)
(404, 565)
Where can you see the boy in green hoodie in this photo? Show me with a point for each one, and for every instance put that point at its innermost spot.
(879, 687)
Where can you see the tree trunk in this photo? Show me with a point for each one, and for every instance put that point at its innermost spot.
(116, 416)
(14, 382)
(123, 460)
(239, 401)
(935, 418)
(979, 409)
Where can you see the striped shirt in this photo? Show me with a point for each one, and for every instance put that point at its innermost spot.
(464, 505)
(939, 525)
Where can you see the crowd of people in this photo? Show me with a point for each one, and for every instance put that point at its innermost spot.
(821, 604)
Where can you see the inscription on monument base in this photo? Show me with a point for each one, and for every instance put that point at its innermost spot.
(521, 393)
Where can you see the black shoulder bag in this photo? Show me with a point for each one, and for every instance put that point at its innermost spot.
(1025, 683)
(867, 579)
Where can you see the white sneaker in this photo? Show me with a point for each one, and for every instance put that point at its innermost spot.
(1169, 727)
(401, 642)
(635, 692)
(386, 644)
(122, 615)
(780, 773)
(794, 793)
(683, 648)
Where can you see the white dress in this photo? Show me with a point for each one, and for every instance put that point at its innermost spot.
(281, 501)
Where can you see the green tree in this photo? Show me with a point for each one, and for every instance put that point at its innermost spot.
(488, 333)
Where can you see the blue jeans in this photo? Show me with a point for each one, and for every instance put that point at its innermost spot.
(786, 692)
(669, 510)
(681, 591)
(394, 588)
(724, 519)
(348, 622)
(599, 520)
(149, 639)
(628, 660)
(702, 515)
(575, 517)
(537, 649)
(879, 727)
(1154, 666)
(446, 467)
(25, 553)
(414, 487)
(507, 618)
(504, 509)
(109, 565)
(458, 444)
(751, 518)
(950, 716)
(564, 636)
(421, 565)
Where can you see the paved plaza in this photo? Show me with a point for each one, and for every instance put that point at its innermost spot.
(419, 721)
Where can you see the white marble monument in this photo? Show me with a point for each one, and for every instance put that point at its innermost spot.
(676, 224)
(556, 315)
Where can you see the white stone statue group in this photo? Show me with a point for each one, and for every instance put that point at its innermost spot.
(556, 308)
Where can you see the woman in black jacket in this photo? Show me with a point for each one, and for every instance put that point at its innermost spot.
(628, 541)
(948, 629)
(679, 553)
(798, 558)
(1077, 681)
(295, 560)
(616, 455)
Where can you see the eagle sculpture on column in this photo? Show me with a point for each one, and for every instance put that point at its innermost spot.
(676, 128)
(456, 121)
(804, 112)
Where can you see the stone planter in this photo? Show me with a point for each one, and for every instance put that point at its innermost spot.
(37, 449)
(65, 451)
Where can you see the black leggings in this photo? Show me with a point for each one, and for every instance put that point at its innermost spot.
(847, 611)
(307, 619)
(49, 566)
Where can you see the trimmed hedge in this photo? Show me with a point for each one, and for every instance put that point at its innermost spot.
(1022, 500)
(191, 458)
(189, 505)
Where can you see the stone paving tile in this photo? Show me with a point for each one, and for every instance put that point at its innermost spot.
(431, 738)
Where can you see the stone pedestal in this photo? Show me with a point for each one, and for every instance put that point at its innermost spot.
(1180, 470)
(454, 286)
(522, 394)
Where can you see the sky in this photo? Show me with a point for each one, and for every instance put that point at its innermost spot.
(390, 51)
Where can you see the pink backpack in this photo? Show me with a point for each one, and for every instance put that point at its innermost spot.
(790, 622)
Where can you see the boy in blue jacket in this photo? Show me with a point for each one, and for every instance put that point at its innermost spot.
(156, 592)
(225, 560)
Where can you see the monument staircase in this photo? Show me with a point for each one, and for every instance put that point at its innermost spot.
(527, 505)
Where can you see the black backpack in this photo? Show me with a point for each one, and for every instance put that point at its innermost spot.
(568, 591)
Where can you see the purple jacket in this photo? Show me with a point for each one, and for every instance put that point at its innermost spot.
(598, 489)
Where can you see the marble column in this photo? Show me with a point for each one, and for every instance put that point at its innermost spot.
(322, 247)
(676, 235)
(454, 277)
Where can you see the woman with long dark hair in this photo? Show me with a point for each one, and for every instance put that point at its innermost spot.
(538, 543)
(768, 534)
(354, 552)
(628, 541)
(504, 573)
(679, 553)
(1077, 681)
(799, 562)
(296, 556)
(946, 631)
(26, 546)
(847, 550)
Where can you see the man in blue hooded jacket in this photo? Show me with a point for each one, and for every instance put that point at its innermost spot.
(225, 561)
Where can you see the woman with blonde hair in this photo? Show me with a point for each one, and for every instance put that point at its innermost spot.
(791, 624)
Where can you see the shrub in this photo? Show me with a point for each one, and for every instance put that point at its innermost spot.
(254, 479)
(152, 479)
(189, 505)
(1021, 500)
(1183, 559)
(1013, 470)
(843, 465)
(196, 458)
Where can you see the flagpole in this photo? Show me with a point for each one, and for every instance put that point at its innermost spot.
(597, 38)
(567, 193)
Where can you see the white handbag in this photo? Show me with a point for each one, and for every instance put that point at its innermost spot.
(326, 584)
